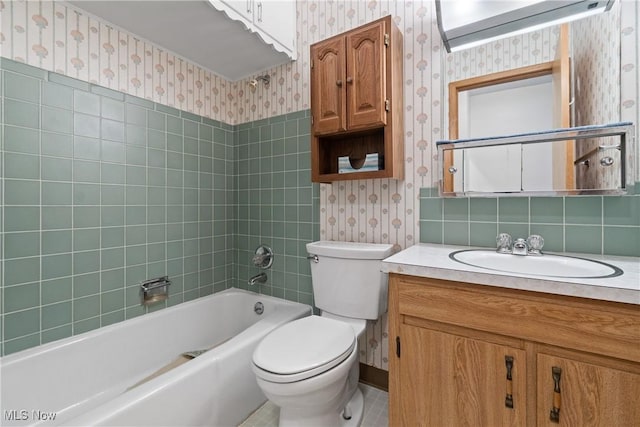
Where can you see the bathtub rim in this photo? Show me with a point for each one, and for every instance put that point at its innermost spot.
(63, 342)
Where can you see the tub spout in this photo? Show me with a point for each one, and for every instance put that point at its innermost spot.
(258, 278)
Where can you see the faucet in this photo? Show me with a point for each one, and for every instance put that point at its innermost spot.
(531, 246)
(258, 278)
(520, 247)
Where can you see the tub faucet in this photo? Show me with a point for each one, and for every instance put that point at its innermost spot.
(258, 278)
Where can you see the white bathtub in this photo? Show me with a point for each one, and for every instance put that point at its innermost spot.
(83, 380)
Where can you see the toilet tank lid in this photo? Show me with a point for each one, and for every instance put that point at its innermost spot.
(353, 250)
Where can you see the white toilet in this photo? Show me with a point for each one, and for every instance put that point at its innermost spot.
(309, 367)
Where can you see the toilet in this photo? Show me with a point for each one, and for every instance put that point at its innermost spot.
(309, 367)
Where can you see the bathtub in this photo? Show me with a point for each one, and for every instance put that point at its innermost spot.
(86, 380)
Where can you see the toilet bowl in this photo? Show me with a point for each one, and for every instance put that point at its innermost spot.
(309, 367)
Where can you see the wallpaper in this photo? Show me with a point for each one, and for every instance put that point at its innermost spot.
(59, 38)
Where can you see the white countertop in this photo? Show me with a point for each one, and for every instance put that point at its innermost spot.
(430, 260)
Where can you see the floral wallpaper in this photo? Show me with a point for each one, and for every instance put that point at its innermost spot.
(60, 38)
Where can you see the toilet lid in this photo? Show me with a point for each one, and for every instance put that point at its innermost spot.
(305, 344)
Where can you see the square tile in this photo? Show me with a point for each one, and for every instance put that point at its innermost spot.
(21, 192)
(21, 140)
(22, 114)
(583, 210)
(456, 210)
(623, 241)
(86, 103)
(54, 266)
(19, 245)
(56, 169)
(21, 323)
(57, 95)
(483, 209)
(513, 209)
(21, 297)
(21, 218)
(22, 166)
(621, 210)
(85, 125)
(18, 86)
(54, 242)
(583, 239)
(57, 120)
(547, 210)
(21, 270)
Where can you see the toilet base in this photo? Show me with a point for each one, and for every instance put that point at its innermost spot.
(355, 406)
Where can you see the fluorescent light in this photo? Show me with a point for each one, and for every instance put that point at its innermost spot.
(498, 19)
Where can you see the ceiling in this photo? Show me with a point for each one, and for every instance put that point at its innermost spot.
(194, 30)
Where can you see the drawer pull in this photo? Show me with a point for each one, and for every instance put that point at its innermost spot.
(508, 401)
(554, 415)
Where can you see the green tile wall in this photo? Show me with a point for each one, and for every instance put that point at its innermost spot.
(101, 190)
(276, 203)
(587, 224)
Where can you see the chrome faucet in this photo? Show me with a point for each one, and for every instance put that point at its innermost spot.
(531, 246)
(520, 247)
(258, 278)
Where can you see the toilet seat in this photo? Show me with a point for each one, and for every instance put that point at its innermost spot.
(303, 348)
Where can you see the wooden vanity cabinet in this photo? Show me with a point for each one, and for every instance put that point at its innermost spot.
(357, 102)
(472, 355)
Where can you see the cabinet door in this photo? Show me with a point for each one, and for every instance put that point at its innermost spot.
(449, 380)
(328, 95)
(277, 20)
(366, 77)
(589, 395)
(238, 10)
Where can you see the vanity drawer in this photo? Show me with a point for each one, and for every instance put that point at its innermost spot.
(601, 327)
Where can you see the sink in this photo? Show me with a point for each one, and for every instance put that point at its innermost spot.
(546, 265)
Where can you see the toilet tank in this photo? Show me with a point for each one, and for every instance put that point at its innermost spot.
(347, 280)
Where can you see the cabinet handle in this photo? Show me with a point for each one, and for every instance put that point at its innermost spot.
(260, 12)
(554, 415)
(350, 80)
(248, 6)
(508, 401)
(339, 83)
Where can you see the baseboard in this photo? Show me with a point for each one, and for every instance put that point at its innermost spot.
(376, 377)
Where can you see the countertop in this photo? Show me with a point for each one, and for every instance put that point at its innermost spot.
(430, 260)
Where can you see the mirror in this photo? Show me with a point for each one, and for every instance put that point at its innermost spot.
(489, 97)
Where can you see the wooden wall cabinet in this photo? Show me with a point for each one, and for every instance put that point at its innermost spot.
(465, 354)
(357, 102)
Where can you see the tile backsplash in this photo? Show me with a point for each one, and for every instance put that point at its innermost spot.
(102, 190)
(588, 224)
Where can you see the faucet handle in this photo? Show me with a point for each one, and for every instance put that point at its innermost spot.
(503, 242)
(535, 243)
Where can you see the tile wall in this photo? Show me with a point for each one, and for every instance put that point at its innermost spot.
(100, 191)
(586, 224)
(277, 203)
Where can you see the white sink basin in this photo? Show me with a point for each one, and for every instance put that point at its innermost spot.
(545, 265)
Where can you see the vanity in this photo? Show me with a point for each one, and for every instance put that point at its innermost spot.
(479, 346)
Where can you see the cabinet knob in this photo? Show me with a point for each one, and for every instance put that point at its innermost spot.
(339, 83)
(350, 80)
